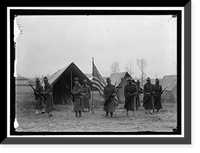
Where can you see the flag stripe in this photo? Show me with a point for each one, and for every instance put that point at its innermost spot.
(94, 84)
(97, 81)
(100, 91)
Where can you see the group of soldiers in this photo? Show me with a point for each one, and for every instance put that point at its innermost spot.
(44, 97)
(151, 99)
(81, 95)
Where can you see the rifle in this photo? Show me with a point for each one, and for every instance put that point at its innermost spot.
(127, 99)
(160, 94)
(147, 98)
(35, 91)
(110, 96)
(69, 92)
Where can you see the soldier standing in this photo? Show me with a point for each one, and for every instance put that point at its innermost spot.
(39, 97)
(86, 92)
(138, 94)
(148, 96)
(109, 96)
(130, 91)
(77, 93)
(157, 95)
(48, 93)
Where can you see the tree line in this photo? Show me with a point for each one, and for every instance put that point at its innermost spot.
(141, 63)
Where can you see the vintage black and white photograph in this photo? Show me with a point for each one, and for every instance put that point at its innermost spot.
(96, 73)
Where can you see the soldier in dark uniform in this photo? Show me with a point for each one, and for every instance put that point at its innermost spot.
(148, 96)
(137, 97)
(130, 91)
(39, 106)
(109, 96)
(86, 92)
(48, 93)
(77, 93)
(157, 96)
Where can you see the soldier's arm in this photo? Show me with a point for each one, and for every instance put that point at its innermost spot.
(144, 90)
(161, 89)
(49, 90)
(125, 91)
(114, 91)
(89, 91)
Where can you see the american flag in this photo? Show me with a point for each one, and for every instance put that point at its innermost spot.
(97, 82)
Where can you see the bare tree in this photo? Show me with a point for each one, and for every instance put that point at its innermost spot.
(115, 67)
(129, 69)
(142, 64)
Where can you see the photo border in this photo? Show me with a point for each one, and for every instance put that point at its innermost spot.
(124, 140)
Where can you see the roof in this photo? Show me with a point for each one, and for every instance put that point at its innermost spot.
(116, 77)
(67, 71)
(54, 77)
(21, 78)
(170, 81)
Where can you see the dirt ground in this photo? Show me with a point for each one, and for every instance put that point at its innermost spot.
(64, 120)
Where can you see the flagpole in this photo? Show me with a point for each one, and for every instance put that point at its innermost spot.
(92, 111)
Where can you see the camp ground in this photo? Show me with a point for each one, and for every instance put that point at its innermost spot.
(63, 119)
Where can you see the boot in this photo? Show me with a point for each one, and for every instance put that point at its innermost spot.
(37, 112)
(111, 114)
(50, 114)
(43, 111)
(106, 114)
(76, 114)
(151, 111)
(79, 113)
(127, 113)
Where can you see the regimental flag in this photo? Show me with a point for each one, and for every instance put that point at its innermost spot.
(97, 81)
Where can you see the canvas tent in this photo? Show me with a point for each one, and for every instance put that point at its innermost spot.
(169, 81)
(61, 94)
(120, 79)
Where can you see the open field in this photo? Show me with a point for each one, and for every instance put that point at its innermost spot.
(63, 119)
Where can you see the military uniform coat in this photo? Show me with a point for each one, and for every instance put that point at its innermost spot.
(108, 90)
(148, 89)
(157, 92)
(77, 92)
(130, 99)
(48, 92)
(86, 92)
(38, 97)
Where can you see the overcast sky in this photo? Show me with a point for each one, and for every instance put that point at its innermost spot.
(49, 43)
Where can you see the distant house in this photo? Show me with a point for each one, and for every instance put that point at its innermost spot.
(21, 81)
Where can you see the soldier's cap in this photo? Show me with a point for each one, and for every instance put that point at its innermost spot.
(76, 79)
(157, 79)
(108, 79)
(129, 79)
(45, 78)
(85, 81)
(37, 80)
(138, 81)
(148, 79)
